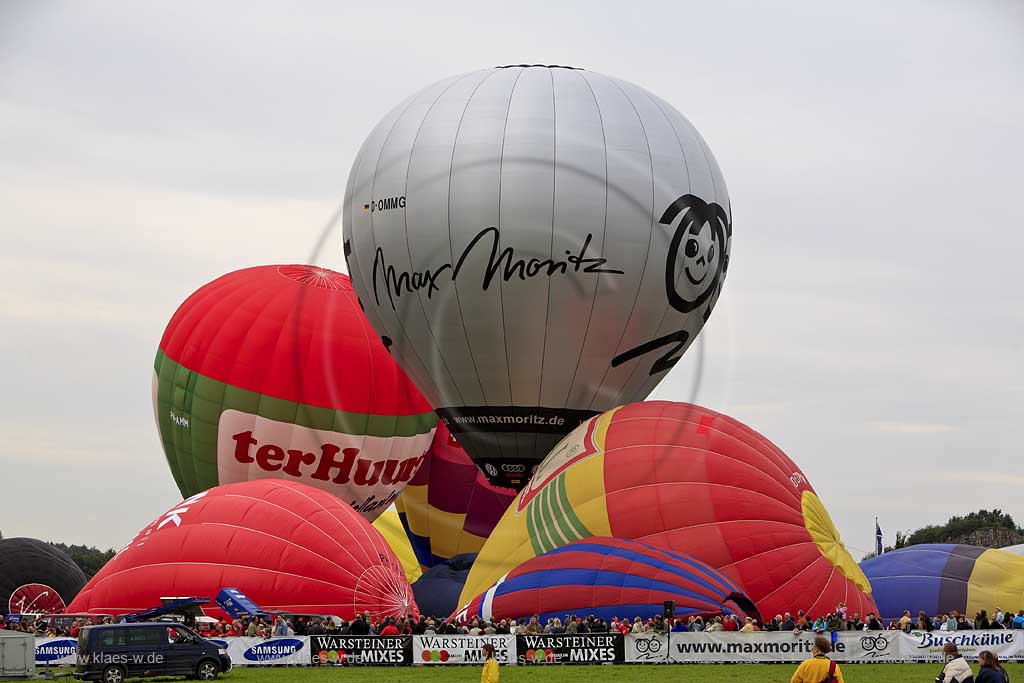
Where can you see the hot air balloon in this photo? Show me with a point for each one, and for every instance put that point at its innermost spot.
(274, 372)
(36, 578)
(389, 524)
(538, 244)
(940, 578)
(437, 591)
(688, 480)
(449, 508)
(285, 545)
(608, 578)
(1015, 549)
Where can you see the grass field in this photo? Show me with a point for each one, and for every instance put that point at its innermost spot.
(691, 673)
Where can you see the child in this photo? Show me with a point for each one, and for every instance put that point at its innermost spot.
(490, 672)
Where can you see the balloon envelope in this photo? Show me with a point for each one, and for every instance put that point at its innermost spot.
(36, 577)
(939, 578)
(437, 591)
(285, 545)
(538, 244)
(688, 480)
(274, 372)
(389, 524)
(608, 578)
(449, 508)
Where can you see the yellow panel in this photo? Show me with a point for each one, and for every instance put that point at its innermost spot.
(445, 530)
(390, 527)
(413, 502)
(584, 484)
(996, 582)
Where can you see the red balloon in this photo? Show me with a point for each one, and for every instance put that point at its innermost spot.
(286, 545)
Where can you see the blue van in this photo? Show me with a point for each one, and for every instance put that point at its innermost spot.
(113, 652)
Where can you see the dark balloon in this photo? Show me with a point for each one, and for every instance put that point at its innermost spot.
(437, 591)
(36, 577)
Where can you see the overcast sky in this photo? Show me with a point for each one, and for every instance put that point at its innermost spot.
(871, 323)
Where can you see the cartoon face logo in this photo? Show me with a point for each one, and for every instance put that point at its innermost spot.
(698, 256)
(699, 251)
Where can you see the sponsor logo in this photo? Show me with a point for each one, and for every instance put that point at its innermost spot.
(491, 469)
(509, 467)
(179, 420)
(385, 204)
(436, 656)
(874, 643)
(273, 649)
(500, 263)
(648, 648)
(332, 462)
(56, 649)
(961, 640)
(35, 598)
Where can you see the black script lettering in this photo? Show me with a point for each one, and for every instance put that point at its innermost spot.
(501, 263)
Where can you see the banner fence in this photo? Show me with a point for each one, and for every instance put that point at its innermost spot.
(592, 648)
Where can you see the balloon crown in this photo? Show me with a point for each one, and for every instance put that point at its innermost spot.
(316, 276)
(543, 66)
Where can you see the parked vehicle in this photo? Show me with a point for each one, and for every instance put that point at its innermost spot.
(113, 652)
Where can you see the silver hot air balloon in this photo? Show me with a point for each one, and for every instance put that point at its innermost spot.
(535, 244)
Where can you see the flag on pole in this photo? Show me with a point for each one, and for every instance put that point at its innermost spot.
(878, 538)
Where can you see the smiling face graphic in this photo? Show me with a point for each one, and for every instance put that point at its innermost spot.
(699, 254)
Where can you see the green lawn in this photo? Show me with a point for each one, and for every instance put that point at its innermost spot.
(695, 673)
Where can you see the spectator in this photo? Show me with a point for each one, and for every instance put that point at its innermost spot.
(715, 625)
(872, 623)
(788, 624)
(490, 673)
(923, 622)
(956, 670)
(905, 620)
(819, 668)
(389, 628)
(748, 626)
(991, 670)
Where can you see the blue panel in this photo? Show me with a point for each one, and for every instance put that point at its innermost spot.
(611, 551)
(592, 577)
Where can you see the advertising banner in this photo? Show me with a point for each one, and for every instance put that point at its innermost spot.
(587, 648)
(361, 650)
(925, 646)
(243, 651)
(56, 651)
(461, 649)
(719, 647)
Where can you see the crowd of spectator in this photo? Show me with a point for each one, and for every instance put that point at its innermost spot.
(365, 624)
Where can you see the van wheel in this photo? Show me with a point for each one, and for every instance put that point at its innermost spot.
(113, 674)
(207, 671)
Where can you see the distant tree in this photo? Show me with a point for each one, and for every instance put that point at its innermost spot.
(88, 558)
(958, 526)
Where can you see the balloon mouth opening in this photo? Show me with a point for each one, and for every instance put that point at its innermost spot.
(540, 66)
(826, 537)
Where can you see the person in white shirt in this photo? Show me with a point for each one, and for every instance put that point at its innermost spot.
(957, 670)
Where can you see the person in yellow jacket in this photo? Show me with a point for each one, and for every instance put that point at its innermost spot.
(490, 672)
(819, 667)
